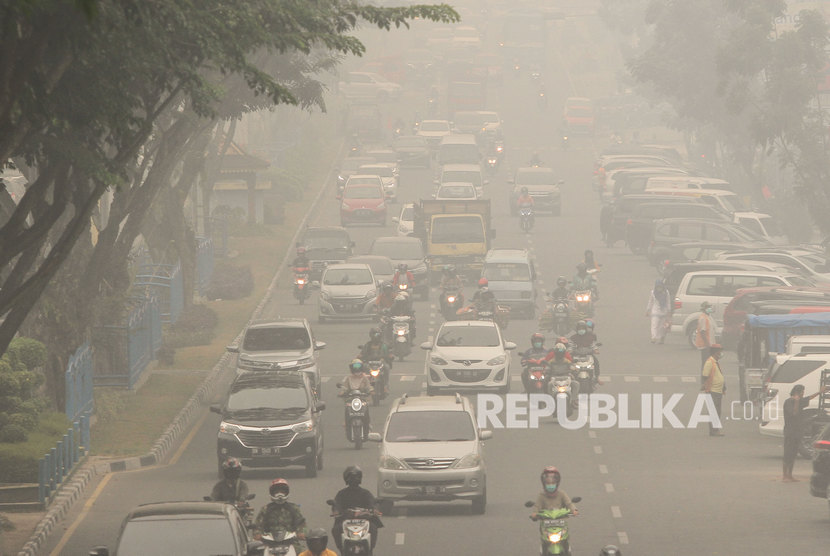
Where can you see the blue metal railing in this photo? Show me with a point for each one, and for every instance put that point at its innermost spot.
(78, 383)
(204, 263)
(61, 460)
(166, 282)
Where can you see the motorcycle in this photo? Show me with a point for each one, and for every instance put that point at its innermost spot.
(553, 529)
(564, 142)
(584, 302)
(378, 378)
(563, 383)
(301, 284)
(280, 543)
(526, 218)
(556, 316)
(542, 100)
(243, 507)
(492, 164)
(357, 532)
(585, 368)
(452, 299)
(402, 338)
(357, 410)
(537, 373)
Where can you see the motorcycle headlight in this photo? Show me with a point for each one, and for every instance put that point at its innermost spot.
(374, 372)
(228, 428)
(388, 462)
(300, 281)
(499, 148)
(305, 426)
(498, 360)
(451, 299)
(357, 404)
(468, 461)
(555, 537)
(562, 389)
(401, 332)
(437, 360)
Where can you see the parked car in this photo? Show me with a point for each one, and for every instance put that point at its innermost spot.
(804, 369)
(431, 450)
(628, 181)
(762, 224)
(271, 420)
(405, 220)
(620, 210)
(183, 528)
(511, 276)
(347, 291)
(638, 226)
(408, 251)
(412, 151)
(691, 251)
(456, 191)
(820, 479)
(388, 173)
(726, 201)
(468, 356)
(668, 231)
(279, 344)
(325, 245)
(364, 200)
(543, 186)
(677, 271)
(687, 182)
(358, 85)
(803, 260)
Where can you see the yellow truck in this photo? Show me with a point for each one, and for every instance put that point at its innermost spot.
(454, 233)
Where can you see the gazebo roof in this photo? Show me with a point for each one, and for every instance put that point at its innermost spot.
(237, 160)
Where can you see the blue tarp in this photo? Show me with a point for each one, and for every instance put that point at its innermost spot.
(781, 327)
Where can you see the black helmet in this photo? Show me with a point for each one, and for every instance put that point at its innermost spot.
(374, 334)
(353, 475)
(610, 550)
(537, 337)
(524, 191)
(581, 267)
(231, 468)
(387, 286)
(403, 267)
(317, 540)
(561, 281)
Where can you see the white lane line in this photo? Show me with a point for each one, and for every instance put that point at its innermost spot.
(407, 378)
(603, 469)
(597, 449)
(592, 434)
(661, 379)
(433, 306)
(615, 511)
(688, 378)
(632, 379)
(609, 487)
(623, 537)
(399, 538)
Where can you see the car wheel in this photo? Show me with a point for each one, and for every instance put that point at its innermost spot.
(386, 506)
(480, 503)
(691, 332)
(311, 466)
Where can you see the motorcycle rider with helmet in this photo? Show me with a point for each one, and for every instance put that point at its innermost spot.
(317, 540)
(584, 281)
(403, 276)
(482, 287)
(562, 291)
(231, 488)
(449, 279)
(386, 297)
(535, 159)
(584, 338)
(357, 379)
(280, 514)
(301, 260)
(353, 496)
(552, 497)
(402, 307)
(610, 550)
(537, 351)
(375, 349)
(524, 200)
(590, 263)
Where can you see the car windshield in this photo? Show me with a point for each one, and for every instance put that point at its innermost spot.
(434, 126)
(466, 176)
(812, 261)
(194, 534)
(382, 266)
(799, 281)
(535, 178)
(490, 118)
(347, 277)
(267, 394)
(794, 370)
(362, 192)
(580, 111)
(276, 339)
(430, 426)
(382, 171)
(408, 213)
(456, 191)
(468, 336)
(733, 203)
(399, 250)
(457, 229)
(771, 227)
(507, 272)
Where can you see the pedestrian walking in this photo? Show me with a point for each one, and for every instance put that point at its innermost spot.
(794, 427)
(660, 310)
(705, 332)
(714, 384)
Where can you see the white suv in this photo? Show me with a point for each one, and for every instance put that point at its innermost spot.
(431, 450)
(804, 369)
(468, 356)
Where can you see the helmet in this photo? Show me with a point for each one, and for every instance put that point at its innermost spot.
(402, 267)
(561, 281)
(548, 471)
(559, 348)
(353, 475)
(537, 338)
(590, 324)
(581, 325)
(705, 305)
(278, 490)
(374, 334)
(317, 540)
(524, 191)
(356, 365)
(581, 268)
(301, 250)
(231, 468)
(588, 253)
(610, 550)
(387, 287)
(482, 283)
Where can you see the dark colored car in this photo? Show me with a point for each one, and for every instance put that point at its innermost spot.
(616, 214)
(668, 231)
(183, 528)
(413, 150)
(820, 479)
(271, 419)
(409, 251)
(325, 246)
(638, 226)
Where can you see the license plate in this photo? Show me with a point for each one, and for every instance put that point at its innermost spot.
(433, 489)
(265, 451)
(363, 213)
(469, 373)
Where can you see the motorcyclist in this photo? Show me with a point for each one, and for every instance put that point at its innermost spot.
(357, 379)
(402, 307)
(386, 297)
(449, 279)
(317, 540)
(231, 488)
(482, 287)
(280, 514)
(562, 291)
(524, 200)
(537, 351)
(560, 359)
(353, 496)
(584, 281)
(301, 260)
(535, 159)
(610, 550)
(584, 339)
(376, 349)
(552, 497)
(403, 276)
(590, 263)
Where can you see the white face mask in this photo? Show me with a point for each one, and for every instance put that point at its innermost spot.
(279, 497)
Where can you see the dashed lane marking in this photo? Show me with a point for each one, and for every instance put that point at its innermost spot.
(407, 378)
(661, 379)
(609, 488)
(399, 538)
(615, 511)
(592, 434)
(632, 379)
(603, 469)
(623, 537)
(597, 449)
(688, 378)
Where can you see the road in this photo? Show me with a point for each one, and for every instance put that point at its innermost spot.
(652, 491)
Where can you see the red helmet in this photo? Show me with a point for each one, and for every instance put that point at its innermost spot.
(550, 470)
(278, 485)
(482, 282)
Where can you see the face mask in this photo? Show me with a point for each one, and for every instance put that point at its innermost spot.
(279, 497)
(551, 488)
(537, 345)
(581, 332)
(709, 311)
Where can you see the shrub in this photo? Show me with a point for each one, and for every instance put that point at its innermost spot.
(109, 402)
(195, 327)
(230, 282)
(18, 459)
(13, 433)
(19, 380)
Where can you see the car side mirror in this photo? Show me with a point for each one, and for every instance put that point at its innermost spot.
(576, 499)
(232, 349)
(395, 220)
(216, 409)
(320, 406)
(374, 437)
(319, 345)
(485, 435)
(509, 345)
(426, 345)
(100, 551)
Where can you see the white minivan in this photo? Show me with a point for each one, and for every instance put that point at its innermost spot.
(804, 369)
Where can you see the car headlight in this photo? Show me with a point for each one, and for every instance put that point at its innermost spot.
(371, 294)
(470, 460)
(324, 295)
(305, 363)
(498, 360)
(437, 360)
(388, 462)
(228, 428)
(305, 426)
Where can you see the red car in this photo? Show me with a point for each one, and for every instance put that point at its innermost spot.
(364, 201)
(578, 116)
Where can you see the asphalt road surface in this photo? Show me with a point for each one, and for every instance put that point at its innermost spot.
(673, 491)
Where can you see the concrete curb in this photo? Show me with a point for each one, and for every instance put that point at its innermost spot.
(70, 491)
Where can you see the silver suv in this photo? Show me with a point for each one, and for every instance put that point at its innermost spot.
(431, 450)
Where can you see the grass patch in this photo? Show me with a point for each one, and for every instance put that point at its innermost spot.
(143, 415)
(18, 460)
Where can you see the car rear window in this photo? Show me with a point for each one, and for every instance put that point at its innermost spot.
(468, 336)
(398, 250)
(430, 426)
(363, 192)
(794, 370)
(276, 339)
(182, 534)
(507, 272)
(347, 277)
